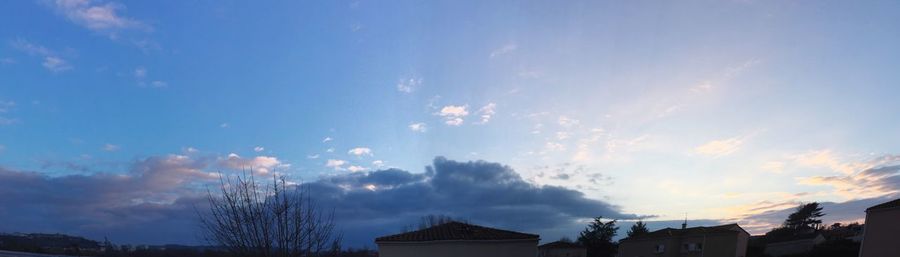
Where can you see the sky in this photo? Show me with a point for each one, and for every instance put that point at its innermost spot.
(116, 116)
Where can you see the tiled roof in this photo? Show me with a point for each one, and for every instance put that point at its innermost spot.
(456, 231)
(887, 205)
(673, 232)
(560, 244)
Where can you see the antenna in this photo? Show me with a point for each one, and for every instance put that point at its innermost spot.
(684, 225)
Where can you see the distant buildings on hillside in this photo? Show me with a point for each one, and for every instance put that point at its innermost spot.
(720, 241)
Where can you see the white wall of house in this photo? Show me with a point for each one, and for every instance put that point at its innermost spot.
(563, 252)
(469, 248)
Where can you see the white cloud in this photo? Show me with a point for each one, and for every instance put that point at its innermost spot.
(562, 135)
(453, 115)
(190, 150)
(8, 121)
(567, 122)
(827, 158)
(486, 112)
(336, 164)
(408, 85)
(6, 105)
(360, 151)
(30, 48)
(554, 147)
(326, 139)
(856, 179)
(259, 164)
(159, 84)
(330, 150)
(418, 127)
(773, 166)
(140, 72)
(378, 163)
(717, 148)
(98, 17)
(223, 125)
(505, 49)
(110, 147)
(259, 149)
(56, 64)
(312, 156)
(354, 168)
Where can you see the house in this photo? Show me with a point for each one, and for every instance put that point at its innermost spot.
(454, 239)
(797, 244)
(562, 249)
(881, 231)
(719, 241)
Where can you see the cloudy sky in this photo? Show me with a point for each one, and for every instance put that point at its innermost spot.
(534, 116)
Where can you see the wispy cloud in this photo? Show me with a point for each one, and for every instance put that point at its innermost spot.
(259, 164)
(259, 149)
(354, 168)
(50, 60)
(871, 178)
(140, 72)
(505, 49)
(335, 164)
(453, 115)
(110, 147)
(408, 85)
(360, 151)
(105, 18)
(721, 147)
(567, 122)
(486, 113)
(5, 106)
(418, 127)
(326, 139)
(56, 64)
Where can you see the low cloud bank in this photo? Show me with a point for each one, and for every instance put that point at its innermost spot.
(156, 200)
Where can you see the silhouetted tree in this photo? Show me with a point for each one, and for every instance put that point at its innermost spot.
(597, 238)
(639, 228)
(806, 216)
(432, 220)
(249, 219)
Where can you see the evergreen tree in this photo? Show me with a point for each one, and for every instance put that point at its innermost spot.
(597, 238)
(639, 228)
(805, 217)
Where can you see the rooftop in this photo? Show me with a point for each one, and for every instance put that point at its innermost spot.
(456, 231)
(560, 244)
(887, 205)
(674, 232)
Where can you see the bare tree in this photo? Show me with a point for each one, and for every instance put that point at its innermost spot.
(254, 220)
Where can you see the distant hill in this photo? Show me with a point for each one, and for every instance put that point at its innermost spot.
(48, 243)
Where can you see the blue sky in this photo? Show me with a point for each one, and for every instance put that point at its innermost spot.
(724, 110)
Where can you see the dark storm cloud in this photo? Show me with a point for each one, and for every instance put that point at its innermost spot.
(154, 201)
(486, 193)
(154, 198)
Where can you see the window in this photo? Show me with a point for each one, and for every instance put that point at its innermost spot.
(660, 248)
(692, 247)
